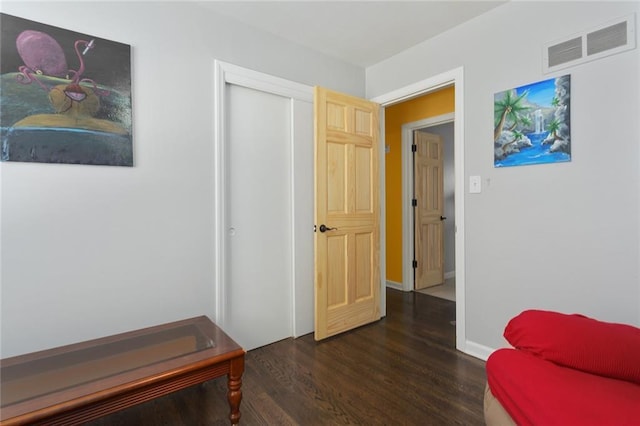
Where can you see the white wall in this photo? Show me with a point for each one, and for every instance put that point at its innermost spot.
(88, 251)
(564, 236)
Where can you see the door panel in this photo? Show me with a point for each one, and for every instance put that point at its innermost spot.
(363, 173)
(336, 281)
(259, 217)
(429, 193)
(364, 252)
(347, 258)
(336, 177)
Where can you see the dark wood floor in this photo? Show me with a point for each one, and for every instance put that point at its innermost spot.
(402, 370)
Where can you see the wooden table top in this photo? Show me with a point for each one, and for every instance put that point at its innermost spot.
(78, 373)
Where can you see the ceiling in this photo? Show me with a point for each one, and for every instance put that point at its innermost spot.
(362, 33)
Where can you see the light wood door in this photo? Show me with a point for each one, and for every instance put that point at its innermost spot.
(347, 257)
(429, 196)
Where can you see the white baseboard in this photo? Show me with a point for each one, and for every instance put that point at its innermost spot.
(394, 285)
(477, 350)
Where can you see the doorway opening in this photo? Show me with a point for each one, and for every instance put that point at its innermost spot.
(452, 78)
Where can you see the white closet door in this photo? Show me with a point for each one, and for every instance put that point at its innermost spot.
(259, 222)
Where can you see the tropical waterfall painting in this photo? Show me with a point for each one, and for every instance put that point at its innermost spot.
(65, 97)
(532, 123)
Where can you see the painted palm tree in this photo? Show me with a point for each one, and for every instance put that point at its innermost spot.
(509, 108)
(521, 119)
(517, 135)
(553, 127)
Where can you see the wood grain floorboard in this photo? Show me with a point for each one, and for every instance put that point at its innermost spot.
(401, 370)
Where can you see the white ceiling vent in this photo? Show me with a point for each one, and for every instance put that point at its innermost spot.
(605, 40)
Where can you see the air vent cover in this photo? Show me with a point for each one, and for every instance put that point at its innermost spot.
(565, 51)
(605, 40)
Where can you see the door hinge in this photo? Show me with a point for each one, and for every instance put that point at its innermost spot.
(414, 148)
(415, 264)
(414, 202)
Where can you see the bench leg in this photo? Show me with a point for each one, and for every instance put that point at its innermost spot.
(234, 384)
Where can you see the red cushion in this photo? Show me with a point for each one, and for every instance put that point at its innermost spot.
(603, 348)
(538, 392)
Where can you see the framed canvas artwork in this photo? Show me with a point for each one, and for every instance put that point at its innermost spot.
(532, 123)
(65, 97)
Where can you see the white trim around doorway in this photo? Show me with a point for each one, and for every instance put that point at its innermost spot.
(454, 77)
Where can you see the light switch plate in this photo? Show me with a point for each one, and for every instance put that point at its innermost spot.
(475, 185)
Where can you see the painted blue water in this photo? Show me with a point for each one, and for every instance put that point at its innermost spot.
(536, 154)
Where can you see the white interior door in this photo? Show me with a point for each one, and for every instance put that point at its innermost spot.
(258, 217)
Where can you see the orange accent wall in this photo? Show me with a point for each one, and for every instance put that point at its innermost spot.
(430, 105)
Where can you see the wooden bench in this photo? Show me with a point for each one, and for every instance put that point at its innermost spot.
(77, 383)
